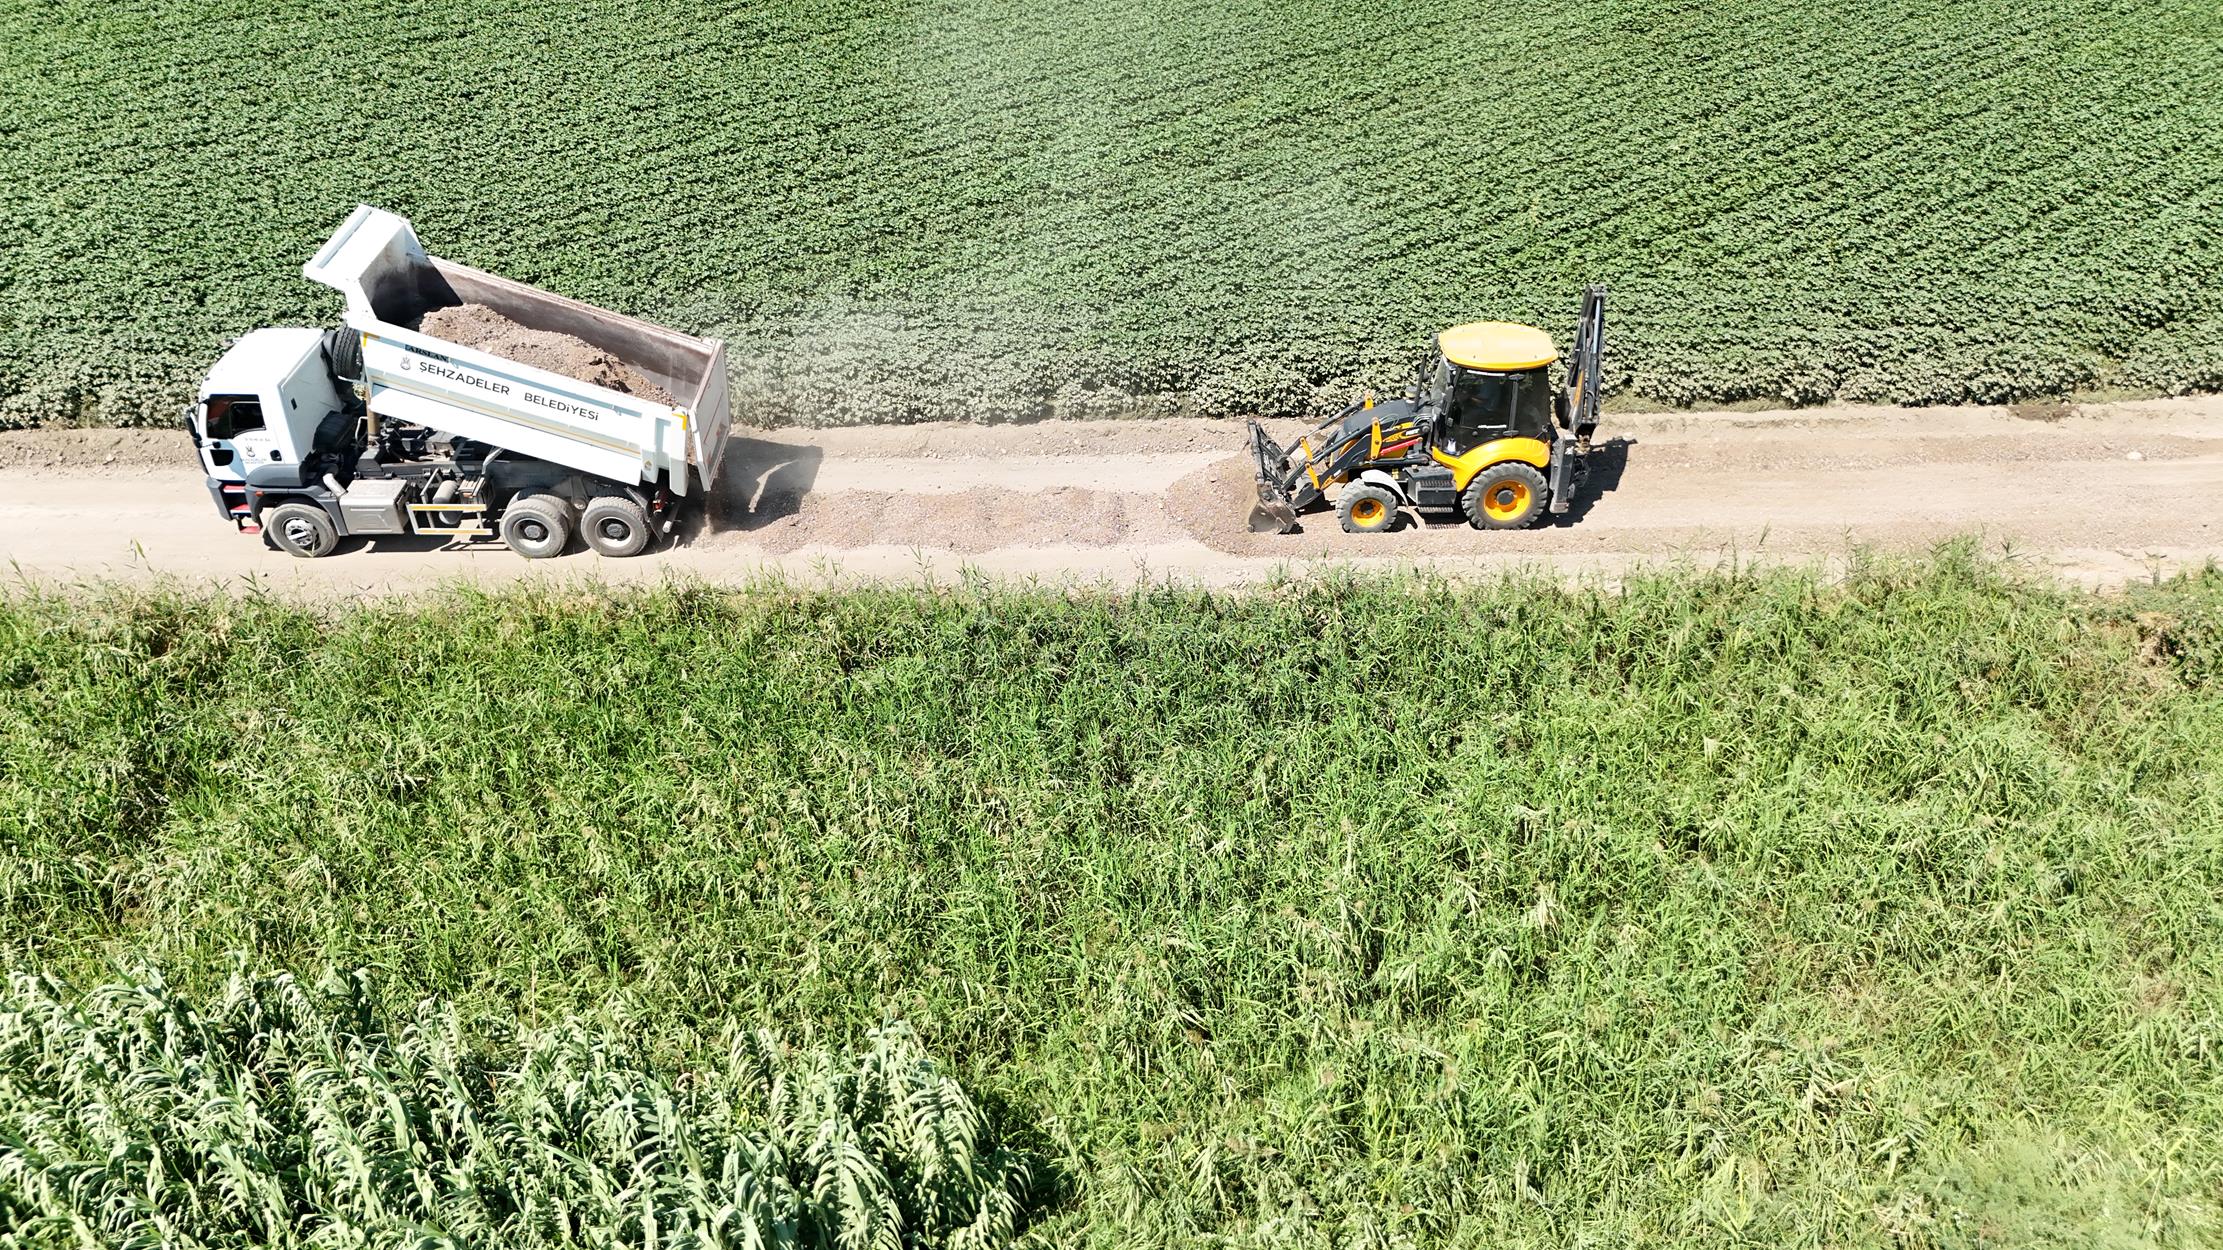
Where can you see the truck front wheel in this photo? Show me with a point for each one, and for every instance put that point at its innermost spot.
(301, 530)
(615, 526)
(538, 527)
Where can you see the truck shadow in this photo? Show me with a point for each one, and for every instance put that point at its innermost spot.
(761, 481)
(1604, 466)
(416, 544)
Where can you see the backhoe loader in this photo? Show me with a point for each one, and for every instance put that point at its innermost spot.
(1481, 431)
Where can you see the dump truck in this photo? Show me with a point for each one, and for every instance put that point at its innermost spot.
(310, 436)
(1482, 433)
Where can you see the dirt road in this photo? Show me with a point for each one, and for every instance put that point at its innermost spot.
(2103, 494)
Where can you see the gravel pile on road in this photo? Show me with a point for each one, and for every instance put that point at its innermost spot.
(476, 325)
(1099, 439)
(973, 520)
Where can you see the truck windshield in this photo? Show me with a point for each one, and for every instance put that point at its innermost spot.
(230, 416)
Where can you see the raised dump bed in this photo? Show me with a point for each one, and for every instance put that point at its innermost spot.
(391, 283)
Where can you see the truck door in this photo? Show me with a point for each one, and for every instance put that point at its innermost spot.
(234, 435)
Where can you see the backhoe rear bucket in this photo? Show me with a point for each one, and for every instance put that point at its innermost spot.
(1273, 513)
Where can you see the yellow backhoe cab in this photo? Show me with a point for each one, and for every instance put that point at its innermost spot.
(1482, 432)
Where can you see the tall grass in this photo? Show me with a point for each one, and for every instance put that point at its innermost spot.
(288, 1115)
(1710, 909)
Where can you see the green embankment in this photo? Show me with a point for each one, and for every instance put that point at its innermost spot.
(984, 210)
(1715, 909)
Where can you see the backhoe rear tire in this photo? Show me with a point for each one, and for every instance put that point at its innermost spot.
(1508, 496)
(537, 527)
(615, 526)
(1367, 508)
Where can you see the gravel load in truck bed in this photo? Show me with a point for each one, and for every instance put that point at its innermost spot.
(476, 325)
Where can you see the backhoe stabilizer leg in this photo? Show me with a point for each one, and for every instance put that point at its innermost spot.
(1564, 461)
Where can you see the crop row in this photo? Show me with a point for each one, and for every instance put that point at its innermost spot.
(985, 211)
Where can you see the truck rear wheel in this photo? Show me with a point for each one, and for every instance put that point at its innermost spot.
(537, 527)
(615, 526)
(301, 530)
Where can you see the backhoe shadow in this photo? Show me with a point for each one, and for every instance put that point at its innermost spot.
(761, 481)
(1603, 468)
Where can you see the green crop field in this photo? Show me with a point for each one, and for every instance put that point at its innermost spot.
(1712, 909)
(1078, 207)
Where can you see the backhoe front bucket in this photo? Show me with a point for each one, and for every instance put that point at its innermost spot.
(1274, 513)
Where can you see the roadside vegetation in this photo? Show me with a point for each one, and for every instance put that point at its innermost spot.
(982, 210)
(1711, 908)
(278, 1114)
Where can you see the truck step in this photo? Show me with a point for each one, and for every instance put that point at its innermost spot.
(455, 520)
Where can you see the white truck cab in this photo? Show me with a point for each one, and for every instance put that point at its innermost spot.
(263, 402)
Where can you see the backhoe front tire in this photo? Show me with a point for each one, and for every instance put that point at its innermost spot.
(1508, 496)
(301, 530)
(1367, 508)
(615, 526)
(537, 527)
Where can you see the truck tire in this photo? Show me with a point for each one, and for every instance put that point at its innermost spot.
(343, 353)
(615, 526)
(301, 530)
(1507, 496)
(537, 527)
